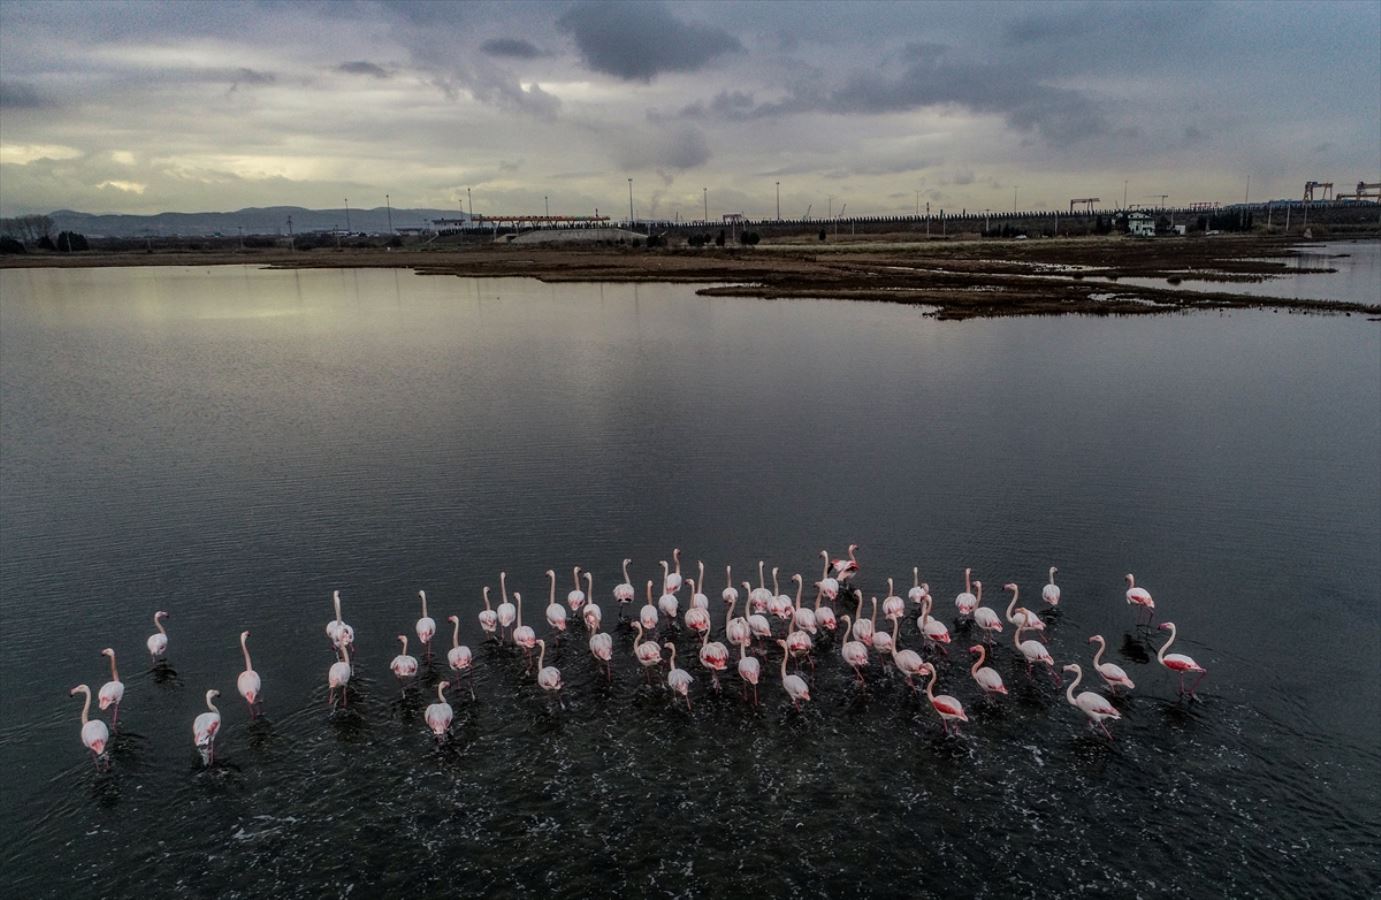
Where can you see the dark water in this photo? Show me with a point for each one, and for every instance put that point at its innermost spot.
(232, 445)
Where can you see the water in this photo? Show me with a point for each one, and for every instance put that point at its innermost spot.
(231, 445)
(1357, 279)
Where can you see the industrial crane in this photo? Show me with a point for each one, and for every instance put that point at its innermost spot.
(1365, 191)
(1086, 202)
(1325, 187)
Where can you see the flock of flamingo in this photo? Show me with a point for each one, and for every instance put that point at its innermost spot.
(807, 633)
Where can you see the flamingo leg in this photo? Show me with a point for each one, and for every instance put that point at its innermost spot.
(1105, 730)
(1193, 690)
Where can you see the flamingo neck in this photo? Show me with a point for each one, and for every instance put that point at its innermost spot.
(590, 586)
(1052, 574)
(649, 593)
(930, 685)
(404, 639)
(982, 655)
(700, 578)
(335, 601)
(672, 648)
(762, 582)
(915, 576)
(784, 656)
(639, 639)
(211, 705)
(455, 634)
(503, 586)
(776, 588)
(115, 673)
(1011, 606)
(819, 593)
(1078, 676)
(978, 597)
(730, 615)
(158, 620)
(486, 597)
(728, 577)
(676, 555)
(518, 598)
(86, 706)
(825, 572)
(874, 619)
(440, 695)
(858, 610)
(848, 630)
(896, 623)
(800, 585)
(541, 656)
(551, 576)
(1166, 646)
(1098, 657)
(852, 558)
(244, 648)
(890, 589)
(968, 586)
(423, 595)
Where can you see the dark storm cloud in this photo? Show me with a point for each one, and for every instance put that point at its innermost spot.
(513, 48)
(19, 95)
(252, 77)
(683, 147)
(638, 41)
(498, 89)
(363, 67)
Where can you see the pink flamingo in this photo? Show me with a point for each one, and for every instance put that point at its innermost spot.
(986, 676)
(205, 728)
(698, 599)
(794, 685)
(548, 677)
(854, 653)
(846, 569)
(576, 597)
(523, 635)
(507, 612)
(678, 680)
(1178, 662)
(556, 613)
(951, 710)
(862, 628)
(713, 656)
(824, 615)
(95, 735)
(1051, 592)
(648, 615)
(592, 614)
(248, 684)
(459, 657)
(966, 601)
(668, 604)
(439, 714)
(697, 618)
(758, 624)
(780, 604)
(113, 691)
(985, 618)
(829, 585)
(1140, 597)
(893, 607)
(803, 616)
(624, 592)
(935, 632)
(918, 591)
(336, 630)
(1095, 706)
(882, 641)
(158, 643)
(647, 652)
(489, 620)
(426, 626)
(1111, 673)
(673, 581)
(736, 630)
(1023, 617)
(403, 665)
(602, 649)
(730, 593)
(760, 595)
(339, 677)
(1033, 652)
(749, 670)
(908, 662)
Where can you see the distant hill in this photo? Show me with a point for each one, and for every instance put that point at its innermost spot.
(255, 220)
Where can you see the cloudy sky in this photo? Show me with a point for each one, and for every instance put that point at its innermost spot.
(134, 107)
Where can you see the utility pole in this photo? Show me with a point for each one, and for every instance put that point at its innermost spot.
(389, 205)
(1124, 193)
(546, 202)
(706, 192)
(918, 204)
(471, 200)
(630, 203)
(241, 229)
(347, 213)
(779, 201)
(830, 211)
(1246, 198)
(292, 246)
(927, 218)
(1015, 188)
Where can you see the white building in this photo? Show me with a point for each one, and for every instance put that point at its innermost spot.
(1140, 224)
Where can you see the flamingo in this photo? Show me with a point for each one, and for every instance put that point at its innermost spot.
(986, 676)
(713, 656)
(648, 615)
(339, 677)
(248, 683)
(758, 624)
(1178, 662)
(403, 665)
(489, 620)
(862, 628)
(548, 677)
(760, 595)
(749, 670)
(908, 662)
(1095, 706)
(985, 618)
(951, 710)
(932, 629)
(893, 607)
(1140, 597)
(647, 652)
(698, 598)
(205, 728)
(667, 603)
(673, 581)
(882, 641)
(158, 643)
(829, 585)
(575, 598)
(780, 604)
(507, 611)
(1111, 673)
(556, 613)
(113, 691)
(736, 630)
(602, 649)
(966, 601)
(918, 591)
(624, 592)
(592, 614)
(846, 569)
(523, 635)
(336, 630)
(697, 617)
(1022, 617)
(1051, 592)
(426, 626)
(95, 735)
(794, 685)
(730, 593)
(804, 615)
(438, 715)
(798, 642)
(854, 653)
(678, 680)
(824, 615)
(458, 657)
(1033, 652)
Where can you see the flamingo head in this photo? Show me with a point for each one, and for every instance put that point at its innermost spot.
(1009, 587)
(1166, 626)
(978, 584)
(627, 561)
(77, 690)
(111, 653)
(926, 669)
(212, 694)
(1131, 580)
(404, 639)
(453, 619)
(1072, 667)
(976, 648)
(1096, 639)
(161, 614)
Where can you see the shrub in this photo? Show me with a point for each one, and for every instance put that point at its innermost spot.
(719, 238)
(70, 240)
(822, 234)
(10, 245)
(749, 238)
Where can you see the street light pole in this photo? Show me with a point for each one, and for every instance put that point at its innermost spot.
(630, 203)
(389, 205)
(779, 201)
(546, 202)
(471, 200)
(347, 213)
(706, 192)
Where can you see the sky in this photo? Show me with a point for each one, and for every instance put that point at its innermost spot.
(885, 107)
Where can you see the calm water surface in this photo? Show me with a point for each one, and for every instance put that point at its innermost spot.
(231, 445)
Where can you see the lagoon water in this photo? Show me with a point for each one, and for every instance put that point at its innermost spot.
(233, 444)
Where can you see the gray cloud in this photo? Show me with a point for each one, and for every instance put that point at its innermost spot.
(638, 41)
(676, 148)
(250, 76)
(19, 95)
(515, 48)
(490, 86)
(363, 67)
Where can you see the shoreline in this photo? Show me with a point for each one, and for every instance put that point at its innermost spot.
(960, 279)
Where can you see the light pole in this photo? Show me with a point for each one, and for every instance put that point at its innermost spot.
(1015, 188)
(347, 213)
(630, 203)
(470, 200)
(918, 204)
(389, 205)
(706, 192)
(546, 202)
(1124, 193)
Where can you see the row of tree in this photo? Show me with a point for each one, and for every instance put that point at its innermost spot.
(27, 228)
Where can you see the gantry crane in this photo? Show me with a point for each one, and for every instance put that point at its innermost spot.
(1085, 202)
(1365, 191)
(1325, 187)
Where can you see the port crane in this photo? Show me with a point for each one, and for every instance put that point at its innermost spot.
(1365, 191)
(1085, 202)
(1325, 188)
